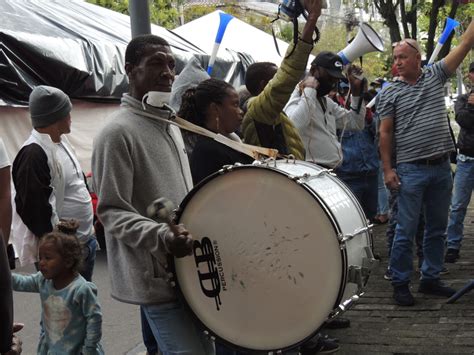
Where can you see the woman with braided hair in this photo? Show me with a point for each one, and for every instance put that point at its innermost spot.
(214, 105)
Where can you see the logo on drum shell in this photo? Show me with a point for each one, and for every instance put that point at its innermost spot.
(209, 280)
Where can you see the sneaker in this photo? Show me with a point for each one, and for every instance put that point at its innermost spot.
(452, 255)
(338, 323)
(403, 296)
(444, 271)
(435, 287)
(322, 346)
(388, 275)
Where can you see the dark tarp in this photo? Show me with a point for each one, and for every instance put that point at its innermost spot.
(80, 48)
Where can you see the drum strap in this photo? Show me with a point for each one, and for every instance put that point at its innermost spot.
(253, 151)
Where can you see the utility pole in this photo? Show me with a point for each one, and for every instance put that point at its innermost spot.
(139, 17)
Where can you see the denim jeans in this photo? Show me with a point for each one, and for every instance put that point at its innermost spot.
(89, 253)
(463, 186)
(428, 187)
(392, 224)
(382, 204)
(148, 337)
(365, 189)
(175, 331)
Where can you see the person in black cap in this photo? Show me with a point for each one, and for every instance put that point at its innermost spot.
(48, 180)
(464, 177)
(317, 118)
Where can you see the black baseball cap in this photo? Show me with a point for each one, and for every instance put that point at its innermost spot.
(471, 67)
(331, 62)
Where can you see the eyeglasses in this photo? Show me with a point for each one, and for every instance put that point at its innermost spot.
(406, 41)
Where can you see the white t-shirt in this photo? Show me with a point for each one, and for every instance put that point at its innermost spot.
(4, 161)
(77, 200)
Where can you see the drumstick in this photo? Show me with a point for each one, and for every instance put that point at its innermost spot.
(161, 210)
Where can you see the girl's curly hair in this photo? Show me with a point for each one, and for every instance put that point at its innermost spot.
(63, 237)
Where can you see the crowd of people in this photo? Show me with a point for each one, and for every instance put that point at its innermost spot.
(139, 157)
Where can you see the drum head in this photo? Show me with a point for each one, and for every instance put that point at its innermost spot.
(267, 265)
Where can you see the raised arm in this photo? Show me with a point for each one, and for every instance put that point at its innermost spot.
(267, 106)
(457, 55)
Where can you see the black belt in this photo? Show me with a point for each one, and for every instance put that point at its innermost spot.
(431, 161)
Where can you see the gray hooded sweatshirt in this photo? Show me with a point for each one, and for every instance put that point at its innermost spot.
(135, 161)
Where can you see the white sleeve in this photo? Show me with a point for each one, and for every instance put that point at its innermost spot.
(4, 160)
(300, 106)
(349, 119)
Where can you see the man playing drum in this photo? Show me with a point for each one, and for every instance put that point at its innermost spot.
(136, 160)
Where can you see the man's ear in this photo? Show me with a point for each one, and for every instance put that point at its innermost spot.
(314, 72)
(128, 68)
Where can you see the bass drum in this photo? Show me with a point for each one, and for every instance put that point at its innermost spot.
(277, 248)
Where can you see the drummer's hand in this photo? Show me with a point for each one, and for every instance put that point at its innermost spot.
(391, 179)
(308, 82)
(180, 245)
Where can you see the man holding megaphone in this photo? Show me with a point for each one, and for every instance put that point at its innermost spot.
(317, 117)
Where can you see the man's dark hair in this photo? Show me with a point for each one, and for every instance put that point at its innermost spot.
(257, 72)
(138, 46)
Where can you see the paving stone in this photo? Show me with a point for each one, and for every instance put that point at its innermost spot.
(431, 326)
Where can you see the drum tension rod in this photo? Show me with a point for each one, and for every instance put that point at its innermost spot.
(301, 179)
(350, 236)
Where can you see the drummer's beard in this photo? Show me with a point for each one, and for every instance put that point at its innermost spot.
(324, 88)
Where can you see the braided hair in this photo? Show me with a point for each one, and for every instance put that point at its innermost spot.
(195, 101)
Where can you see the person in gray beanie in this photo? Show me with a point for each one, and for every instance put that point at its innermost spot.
(48, 181)
(48, 105)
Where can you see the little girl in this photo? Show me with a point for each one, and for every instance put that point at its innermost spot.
(71, 316)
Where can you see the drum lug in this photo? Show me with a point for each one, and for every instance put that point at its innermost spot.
(369, 264)
(342, 243)
(209, 335)
(226, 168)
(355, 276)
(270, 162)
(360, 274)
(291, 157)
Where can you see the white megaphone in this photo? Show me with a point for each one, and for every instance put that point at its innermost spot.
(366, 40)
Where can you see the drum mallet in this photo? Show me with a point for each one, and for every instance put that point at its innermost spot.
(161, 210)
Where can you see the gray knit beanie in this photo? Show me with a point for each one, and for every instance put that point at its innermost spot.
(48, 105)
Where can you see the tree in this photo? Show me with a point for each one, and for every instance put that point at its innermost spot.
(162, 12)
(388, 10)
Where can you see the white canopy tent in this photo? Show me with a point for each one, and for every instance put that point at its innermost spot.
(238, 37)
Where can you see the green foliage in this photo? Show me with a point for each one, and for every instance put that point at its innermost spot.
(333, 38)
(164, 14)
(116, 5)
